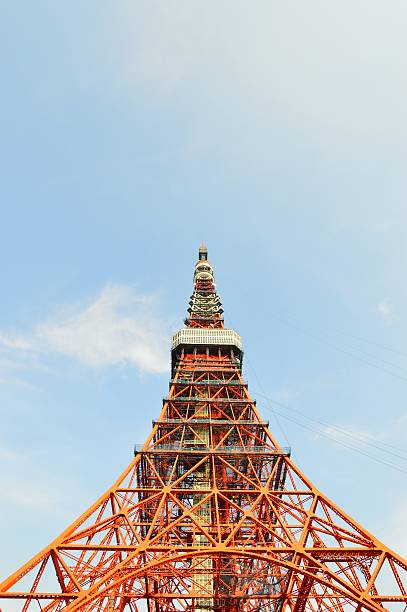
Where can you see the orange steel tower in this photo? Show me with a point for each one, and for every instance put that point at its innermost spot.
(211, 514)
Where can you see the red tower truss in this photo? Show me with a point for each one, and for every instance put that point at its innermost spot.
(211, 514)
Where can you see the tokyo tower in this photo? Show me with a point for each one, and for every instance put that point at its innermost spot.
(211, 514)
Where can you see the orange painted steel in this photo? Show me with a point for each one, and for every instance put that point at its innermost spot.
(211, 514)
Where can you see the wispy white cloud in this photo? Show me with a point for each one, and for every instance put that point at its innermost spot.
(283, 67)
(17, 343)
(17, 382)
(385, 310)
(118, 327)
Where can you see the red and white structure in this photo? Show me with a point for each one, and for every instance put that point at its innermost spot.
(211, 514)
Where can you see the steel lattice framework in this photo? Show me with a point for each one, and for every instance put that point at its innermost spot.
(211, 514)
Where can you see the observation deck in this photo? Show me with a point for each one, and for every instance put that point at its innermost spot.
(200, 449)
(210, 338)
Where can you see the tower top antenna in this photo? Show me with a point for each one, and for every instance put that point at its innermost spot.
(203, 252)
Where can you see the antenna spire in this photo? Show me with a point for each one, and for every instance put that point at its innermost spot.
(205, 307)
(203, 252)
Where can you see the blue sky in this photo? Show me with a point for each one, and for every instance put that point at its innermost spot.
(130, 132)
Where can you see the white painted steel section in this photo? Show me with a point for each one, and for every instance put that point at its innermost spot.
(197, 335)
